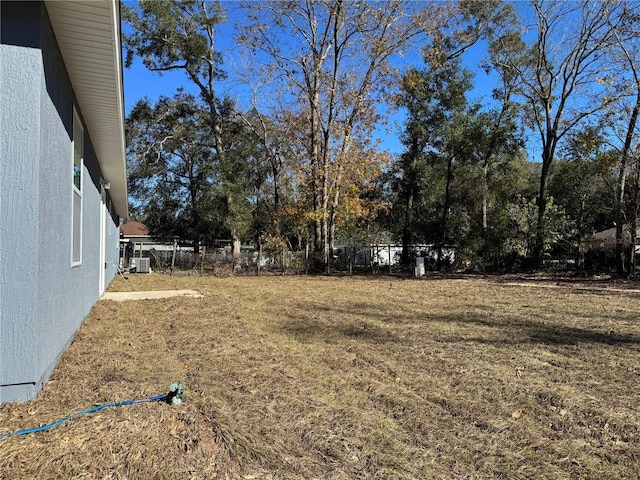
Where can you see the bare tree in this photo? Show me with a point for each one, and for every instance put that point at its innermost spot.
(625, 52)
(334, 57)
(271, 135)
(175, 35)
(557, 76)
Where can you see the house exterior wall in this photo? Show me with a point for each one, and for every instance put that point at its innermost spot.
(43, 298)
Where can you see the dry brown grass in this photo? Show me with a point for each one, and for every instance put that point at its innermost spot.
(340, 378)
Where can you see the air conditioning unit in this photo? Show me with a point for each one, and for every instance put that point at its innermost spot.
(143, 265)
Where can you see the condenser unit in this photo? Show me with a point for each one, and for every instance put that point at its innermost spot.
(142, 265)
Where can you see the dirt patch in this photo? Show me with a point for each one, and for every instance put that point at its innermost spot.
(341, 378)
(150, 295)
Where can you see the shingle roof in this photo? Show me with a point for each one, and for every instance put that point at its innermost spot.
(134, 229)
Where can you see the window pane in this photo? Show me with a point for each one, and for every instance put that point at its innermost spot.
(77, 153)
(76, 176)
(76, 214)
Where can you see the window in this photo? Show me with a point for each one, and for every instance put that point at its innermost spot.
(78, 160)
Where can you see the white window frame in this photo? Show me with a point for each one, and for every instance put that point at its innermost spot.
(76, 193)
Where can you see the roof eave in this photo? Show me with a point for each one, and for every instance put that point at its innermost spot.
(99, 91)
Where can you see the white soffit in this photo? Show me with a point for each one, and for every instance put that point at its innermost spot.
(88, 34)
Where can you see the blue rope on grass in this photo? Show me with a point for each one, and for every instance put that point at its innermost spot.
(174, 396)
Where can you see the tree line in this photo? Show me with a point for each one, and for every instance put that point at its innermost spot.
(527, 174)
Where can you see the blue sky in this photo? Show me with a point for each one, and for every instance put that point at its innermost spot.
(140, 82)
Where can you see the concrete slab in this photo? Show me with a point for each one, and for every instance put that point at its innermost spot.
(123, 296)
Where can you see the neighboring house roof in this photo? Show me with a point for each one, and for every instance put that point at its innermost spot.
(134, 229)
(88, 33)
(607, 235)
(607, 238)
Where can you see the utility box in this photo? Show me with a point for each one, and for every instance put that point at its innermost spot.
(143, 265)
(419, 270)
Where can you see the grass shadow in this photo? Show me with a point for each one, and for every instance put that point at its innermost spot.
(367, 323)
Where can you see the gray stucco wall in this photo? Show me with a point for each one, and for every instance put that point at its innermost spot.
(20, 72)
(43, 299)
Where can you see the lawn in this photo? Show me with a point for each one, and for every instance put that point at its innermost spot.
(344, 378)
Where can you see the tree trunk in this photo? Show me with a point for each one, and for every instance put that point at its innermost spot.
(547, 157)
(325, 200)
(332, 234)
(632, 232)
(621, 265)
(412, 191)
(173, 257)
(445, 210)
(235, 239)
(258, 264)
(275, 168)
(493, 146)
(485, 194)
(406, 229)
(235, 252)
(634, 221)
(580, 235)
